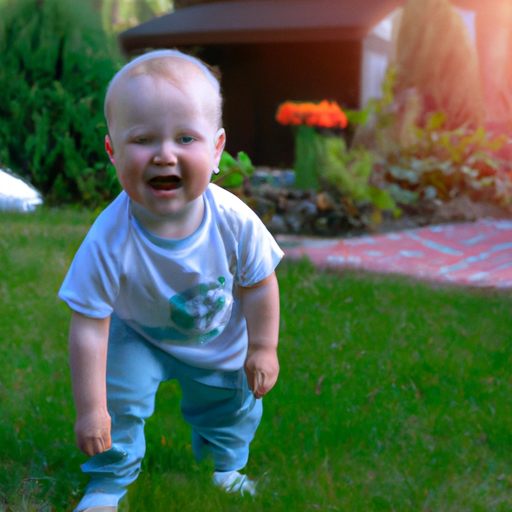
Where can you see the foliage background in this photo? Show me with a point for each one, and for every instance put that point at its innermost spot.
(55, 64)
(118, 15)
(56, 60)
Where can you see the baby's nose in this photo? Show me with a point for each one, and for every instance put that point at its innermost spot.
(165, 155)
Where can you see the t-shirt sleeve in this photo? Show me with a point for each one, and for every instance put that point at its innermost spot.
(258, 252)
(92, 282)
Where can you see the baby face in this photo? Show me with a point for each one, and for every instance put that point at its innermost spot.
(164, 142)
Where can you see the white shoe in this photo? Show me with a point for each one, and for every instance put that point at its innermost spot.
(233, 481)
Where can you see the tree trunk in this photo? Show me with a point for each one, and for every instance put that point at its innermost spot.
(494, 41)
(436, 61)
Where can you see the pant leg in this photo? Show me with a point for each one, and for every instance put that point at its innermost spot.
(135, 369)
(223, 414)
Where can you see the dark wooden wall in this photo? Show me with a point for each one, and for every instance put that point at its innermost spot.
(258, 77)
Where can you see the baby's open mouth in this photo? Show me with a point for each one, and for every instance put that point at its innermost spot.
(165, 182)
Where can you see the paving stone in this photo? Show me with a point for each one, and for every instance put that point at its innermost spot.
(472, 253)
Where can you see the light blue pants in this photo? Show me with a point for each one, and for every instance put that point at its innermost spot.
(219, 406)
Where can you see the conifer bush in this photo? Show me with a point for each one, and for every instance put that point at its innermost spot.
(55, 65)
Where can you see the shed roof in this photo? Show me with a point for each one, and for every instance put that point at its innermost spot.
(260, 21)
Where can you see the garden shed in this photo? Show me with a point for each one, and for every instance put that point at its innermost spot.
(270, 51)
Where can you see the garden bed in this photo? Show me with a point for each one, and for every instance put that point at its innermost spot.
(288, 210)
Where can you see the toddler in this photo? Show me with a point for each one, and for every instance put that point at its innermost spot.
(175, 280)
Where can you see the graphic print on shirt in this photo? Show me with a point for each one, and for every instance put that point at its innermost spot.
(197, 315)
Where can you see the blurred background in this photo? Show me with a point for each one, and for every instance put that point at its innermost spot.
(396, 67)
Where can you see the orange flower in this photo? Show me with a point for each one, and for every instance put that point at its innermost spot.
(285, 114)
(324, 115)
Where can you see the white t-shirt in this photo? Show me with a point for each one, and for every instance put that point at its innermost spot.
(182, 294)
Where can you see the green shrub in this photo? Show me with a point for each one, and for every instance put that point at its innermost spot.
(422, 157)
(233, 172)
(55, 64)
(344, 173)
(119, 15)
(444, 164)
(324, 162)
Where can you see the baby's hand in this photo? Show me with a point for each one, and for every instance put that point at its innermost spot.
(92, 432)
(262, 369)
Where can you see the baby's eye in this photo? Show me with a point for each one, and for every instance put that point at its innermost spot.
(186, 139)
(142, 140)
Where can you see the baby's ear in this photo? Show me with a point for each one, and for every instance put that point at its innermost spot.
(220, 143)
(109, 149)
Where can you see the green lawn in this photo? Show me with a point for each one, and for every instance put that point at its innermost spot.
(393, 395)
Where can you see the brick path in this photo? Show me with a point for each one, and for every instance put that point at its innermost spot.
(476, 254)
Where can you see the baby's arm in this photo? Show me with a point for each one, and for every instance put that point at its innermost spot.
(260, 305)
(88, 342)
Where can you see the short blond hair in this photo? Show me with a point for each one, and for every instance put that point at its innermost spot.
(175, 67)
